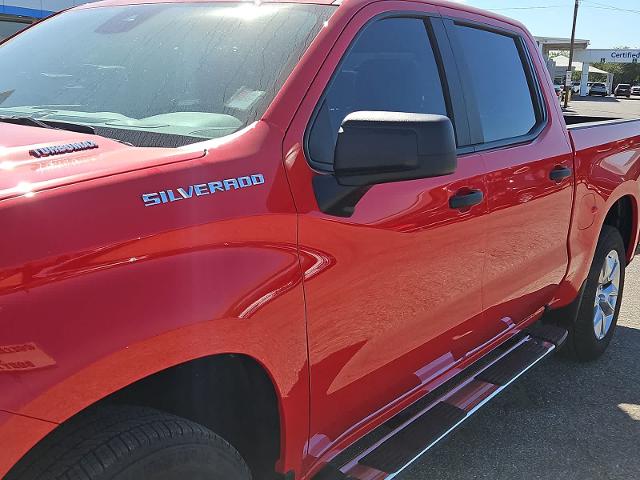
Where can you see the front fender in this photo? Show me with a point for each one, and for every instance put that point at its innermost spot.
(98, 291)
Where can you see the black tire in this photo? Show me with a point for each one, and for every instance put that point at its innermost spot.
(131, 443)
(582, 343)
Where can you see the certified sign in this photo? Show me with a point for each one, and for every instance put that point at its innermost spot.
(624, 55)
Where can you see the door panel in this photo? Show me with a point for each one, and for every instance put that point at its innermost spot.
(399, 300)
(522, 144)
(395, 296)
(528, 227)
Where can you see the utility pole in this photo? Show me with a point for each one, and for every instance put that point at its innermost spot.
(567, 88)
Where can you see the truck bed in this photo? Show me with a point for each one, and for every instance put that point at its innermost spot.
(572, 120)
(589, 132)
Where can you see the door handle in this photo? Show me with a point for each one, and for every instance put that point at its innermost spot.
(559, 173)
(466, 200)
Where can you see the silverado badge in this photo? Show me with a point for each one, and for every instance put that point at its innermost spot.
(200, 189)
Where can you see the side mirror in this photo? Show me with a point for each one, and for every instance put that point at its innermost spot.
(381, 147)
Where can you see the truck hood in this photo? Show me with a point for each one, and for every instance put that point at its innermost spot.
(23, 172)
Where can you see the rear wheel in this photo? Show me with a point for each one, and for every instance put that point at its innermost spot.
(131, 443)
(593, 329)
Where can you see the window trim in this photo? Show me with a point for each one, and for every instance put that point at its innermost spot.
(533, 82)
(443, 64)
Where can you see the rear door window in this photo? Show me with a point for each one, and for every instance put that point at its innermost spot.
(498, 82)
(391, 66)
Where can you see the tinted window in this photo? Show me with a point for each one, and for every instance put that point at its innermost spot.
(499, 82)
(390, 67)
(161, 73)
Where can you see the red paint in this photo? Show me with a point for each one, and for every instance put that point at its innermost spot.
(399, 297)
(17, 433)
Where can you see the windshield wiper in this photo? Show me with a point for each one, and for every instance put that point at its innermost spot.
(72, 127)
(29, 121)
(34, 122)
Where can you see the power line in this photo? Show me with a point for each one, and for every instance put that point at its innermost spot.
(590, 4)
(584, 4)
(604, 6)
(527, 8)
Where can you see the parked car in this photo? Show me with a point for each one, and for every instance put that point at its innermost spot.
(239, 237)
(575, 87)
(598, 88)
(623, 90)
(559, 90)
(635, 90)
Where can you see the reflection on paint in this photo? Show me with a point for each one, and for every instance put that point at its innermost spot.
(23, 357)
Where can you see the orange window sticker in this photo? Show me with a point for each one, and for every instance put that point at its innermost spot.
(23, 357)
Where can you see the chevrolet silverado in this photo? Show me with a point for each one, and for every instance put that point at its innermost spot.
(300, 240)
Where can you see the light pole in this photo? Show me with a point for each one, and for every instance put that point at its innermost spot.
(567, 88)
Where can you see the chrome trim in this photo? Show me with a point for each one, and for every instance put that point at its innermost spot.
(346, 468)
(472, 411)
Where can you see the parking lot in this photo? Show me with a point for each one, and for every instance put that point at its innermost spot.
(563, 420)
(605, 106)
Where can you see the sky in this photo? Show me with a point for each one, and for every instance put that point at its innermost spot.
(607, 23)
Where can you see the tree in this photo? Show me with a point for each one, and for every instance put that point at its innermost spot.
(623, 72)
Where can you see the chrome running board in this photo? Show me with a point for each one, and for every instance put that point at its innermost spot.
(403, 439)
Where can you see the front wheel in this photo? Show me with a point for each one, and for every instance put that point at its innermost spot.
(131, 443)
(593, 329)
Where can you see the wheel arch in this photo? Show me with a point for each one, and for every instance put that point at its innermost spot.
(623, 215)
(233, 394)
(620, 209)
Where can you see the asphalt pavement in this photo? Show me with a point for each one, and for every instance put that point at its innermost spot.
(605, 106)
(562, 420)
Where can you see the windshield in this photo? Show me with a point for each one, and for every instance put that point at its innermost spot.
(165, 74)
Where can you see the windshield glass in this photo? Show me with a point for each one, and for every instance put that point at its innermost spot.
(164, 74)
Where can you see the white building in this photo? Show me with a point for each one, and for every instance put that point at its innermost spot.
(583, 57)
(17, 14)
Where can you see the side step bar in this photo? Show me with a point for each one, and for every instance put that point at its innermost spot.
(404, 438)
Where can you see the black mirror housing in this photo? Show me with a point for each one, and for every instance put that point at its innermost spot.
(381, 147)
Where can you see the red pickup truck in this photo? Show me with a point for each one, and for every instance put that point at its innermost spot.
(299, 240)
